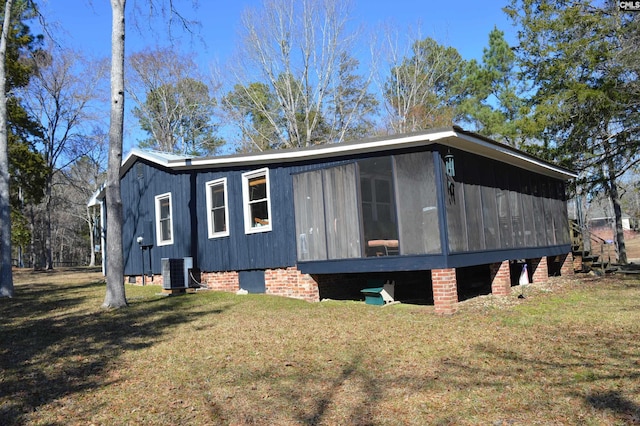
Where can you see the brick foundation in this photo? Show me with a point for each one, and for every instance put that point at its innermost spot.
(500, 278)
(566, 264)
(539, 269)
(445, 290)
(287, 282)
(221, 281)
(290, 282)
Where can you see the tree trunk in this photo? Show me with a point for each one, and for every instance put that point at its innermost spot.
(617, 211)
(32, 239)
(6, 274)
(115, 297)
(48, 239)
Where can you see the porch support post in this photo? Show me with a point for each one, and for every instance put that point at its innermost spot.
(566, 265)
(540, 270)
(500, 278)
(445, 290)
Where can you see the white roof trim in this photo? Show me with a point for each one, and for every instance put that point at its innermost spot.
(322, 151)
(454, 137)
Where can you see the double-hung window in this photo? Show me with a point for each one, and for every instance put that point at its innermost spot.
(164, 221)
(217, 208)
(257, 205)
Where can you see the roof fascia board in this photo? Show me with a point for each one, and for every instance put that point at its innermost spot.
(323, 151)
(454, 137)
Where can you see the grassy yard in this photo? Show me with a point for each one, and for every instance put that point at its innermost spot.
(567, 354)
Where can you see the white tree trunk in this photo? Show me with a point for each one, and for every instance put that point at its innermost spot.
(115, 297)
(6, 275)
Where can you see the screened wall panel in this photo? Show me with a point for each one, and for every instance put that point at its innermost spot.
(549, 212)
(515, 207)
(530, 238)
(473, 212)
(503, 205)
(309, 211)
(341, 212)
(471, 170)
(489, 208)
(454, 205)
(565, 235)
(417, 201)
(553, 203)
(490, 218)
(561, 223)
(538, 211)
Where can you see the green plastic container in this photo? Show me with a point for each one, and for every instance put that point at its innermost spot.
(373, 296)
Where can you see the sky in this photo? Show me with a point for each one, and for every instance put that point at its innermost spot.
(463, 24)
(86, 25)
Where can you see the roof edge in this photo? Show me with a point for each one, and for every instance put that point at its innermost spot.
(454, 136)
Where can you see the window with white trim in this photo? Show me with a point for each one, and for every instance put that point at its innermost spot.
(256, 201)
(217, 208)
(164, 221)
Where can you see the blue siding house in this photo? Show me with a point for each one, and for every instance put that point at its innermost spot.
(437, 213)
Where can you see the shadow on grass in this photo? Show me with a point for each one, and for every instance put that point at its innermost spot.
(353, 370)
(57, 341)
(599, 361)
(309, 396)
(612, 401)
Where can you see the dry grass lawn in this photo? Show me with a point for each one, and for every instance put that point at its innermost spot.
(567, 354)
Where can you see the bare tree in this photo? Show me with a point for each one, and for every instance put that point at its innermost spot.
(422, 85)
(6, 276)
(173, 104)
(295, 50)
(59, 97)
(115, 295)
(81, 180)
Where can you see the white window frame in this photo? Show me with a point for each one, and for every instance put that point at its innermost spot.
(210, 222)
(158, 199)
(249, 224)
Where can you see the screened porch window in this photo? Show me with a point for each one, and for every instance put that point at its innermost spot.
(257, 205)
(378, 207)
(327, 218)
(164, 223)
(217, 208)
(417, 197)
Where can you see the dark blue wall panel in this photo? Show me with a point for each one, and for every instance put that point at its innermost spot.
(240, 251)
(139, 187)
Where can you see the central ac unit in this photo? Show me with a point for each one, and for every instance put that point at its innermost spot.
(175, 272)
